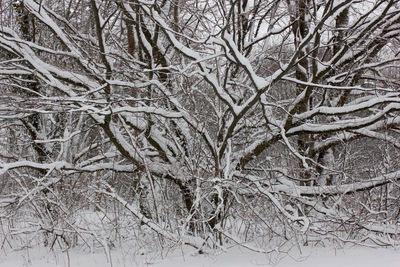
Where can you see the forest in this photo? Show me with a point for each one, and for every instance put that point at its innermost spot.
(206, 123)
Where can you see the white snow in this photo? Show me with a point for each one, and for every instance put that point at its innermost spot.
(310, 257)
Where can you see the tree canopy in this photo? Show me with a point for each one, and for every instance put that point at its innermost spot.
(208, 121)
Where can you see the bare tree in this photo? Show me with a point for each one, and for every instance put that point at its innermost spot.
(210, 121)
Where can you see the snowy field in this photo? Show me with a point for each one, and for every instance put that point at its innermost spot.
(310, 257)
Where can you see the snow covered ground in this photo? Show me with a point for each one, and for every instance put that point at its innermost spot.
(310, 257)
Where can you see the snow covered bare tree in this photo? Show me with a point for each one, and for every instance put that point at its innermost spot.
(209, 121)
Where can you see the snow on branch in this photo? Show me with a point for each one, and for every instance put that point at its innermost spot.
(291, 189)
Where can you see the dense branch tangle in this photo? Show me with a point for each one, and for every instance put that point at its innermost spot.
(225, 102)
